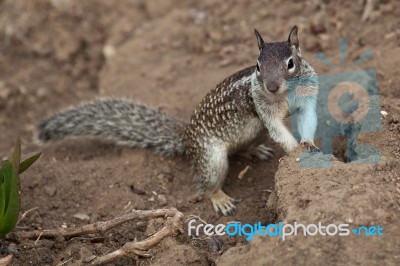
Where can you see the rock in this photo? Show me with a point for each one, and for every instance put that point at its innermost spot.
(215, 244)
(82, 217)
(50, 190)
(109, 51)
(141, 225)
(162, 200)
(137, 190)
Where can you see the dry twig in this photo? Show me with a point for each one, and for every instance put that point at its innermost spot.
(243, 172)
(4, 261)
(25, 214)
(97, 227)
(172, 227)
(369, 6)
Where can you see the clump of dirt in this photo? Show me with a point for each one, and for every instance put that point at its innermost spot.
(169, 54)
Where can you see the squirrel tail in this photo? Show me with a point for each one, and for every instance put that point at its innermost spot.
(125, 122)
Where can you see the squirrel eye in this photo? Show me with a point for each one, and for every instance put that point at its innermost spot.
(290, 64)
(258, 67)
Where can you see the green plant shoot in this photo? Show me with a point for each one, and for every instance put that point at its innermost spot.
(10, 200)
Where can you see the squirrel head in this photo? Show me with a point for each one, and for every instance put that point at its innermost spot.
(278, 62)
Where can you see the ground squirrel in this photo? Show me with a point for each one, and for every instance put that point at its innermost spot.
(228, 119)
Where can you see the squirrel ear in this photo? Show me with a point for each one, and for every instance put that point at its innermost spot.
(260, 40)
(293, 40)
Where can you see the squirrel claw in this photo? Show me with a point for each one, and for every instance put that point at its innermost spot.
(224, 204)
(310, 147)
(236, 201)
(261, 152)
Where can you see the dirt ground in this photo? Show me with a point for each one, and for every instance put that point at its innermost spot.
(56, 53)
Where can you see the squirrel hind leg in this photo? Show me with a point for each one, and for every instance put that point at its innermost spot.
(211, 166)
(261, 152)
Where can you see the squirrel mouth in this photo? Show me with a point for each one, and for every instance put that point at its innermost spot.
(273, 91)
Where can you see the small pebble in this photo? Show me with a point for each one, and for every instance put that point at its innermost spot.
(151, 199)
(137, 190)
(82, 216)
(51, 191)
(109, 50)
(162, 200)
(215, 244)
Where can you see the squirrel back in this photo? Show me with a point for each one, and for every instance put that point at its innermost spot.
(125, 122)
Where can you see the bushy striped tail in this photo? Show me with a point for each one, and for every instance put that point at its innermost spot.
(125, 122)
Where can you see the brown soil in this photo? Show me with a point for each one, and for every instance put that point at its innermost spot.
(169, 54)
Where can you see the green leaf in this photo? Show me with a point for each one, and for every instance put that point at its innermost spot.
(28, 162)
(2, 190)
(11, 199)
(7, 176)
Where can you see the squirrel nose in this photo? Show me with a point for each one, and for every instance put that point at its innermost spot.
(272, 86)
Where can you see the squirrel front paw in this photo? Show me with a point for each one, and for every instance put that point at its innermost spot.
(309, 146)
